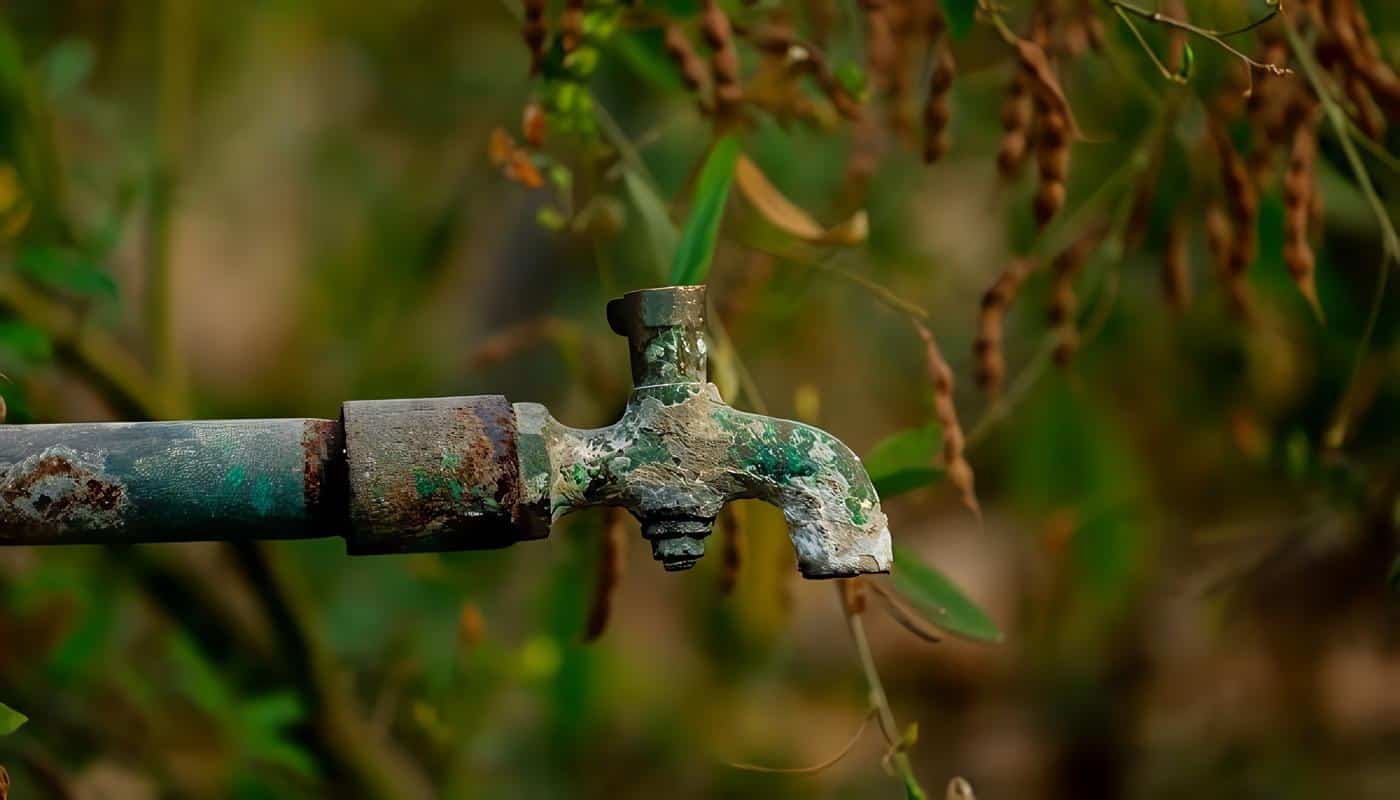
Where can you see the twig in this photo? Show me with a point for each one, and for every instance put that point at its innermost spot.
(1217, 37)
(815, 768)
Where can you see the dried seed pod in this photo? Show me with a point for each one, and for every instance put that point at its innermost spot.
(936, 109)
(611, 561)
(905, 34)
(862, 161)
(1220, 236)
(1064, 269)
(1052, 158)
(1298, 187)
(1267, 106)
(1176, 266)
(1015, 125)
(1355, 45)
(1243, 204)
(880, 51)
(805, 58)
(987, 348)
(571, 25)
(955, 464)
(535, 32)
(1368, 116)
(678, 47)
(724, 58)
(735, 547)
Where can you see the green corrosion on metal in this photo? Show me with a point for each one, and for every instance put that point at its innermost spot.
(679, 454)
(134, 482)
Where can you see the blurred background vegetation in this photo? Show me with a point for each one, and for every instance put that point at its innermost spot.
(266, 208)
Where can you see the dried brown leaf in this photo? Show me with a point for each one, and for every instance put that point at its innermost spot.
(785, 215)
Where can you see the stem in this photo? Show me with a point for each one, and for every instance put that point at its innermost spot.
(878, 700)
(177, 37)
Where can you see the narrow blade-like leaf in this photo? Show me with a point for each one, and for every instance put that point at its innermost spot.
(940, 602)
(696, 249)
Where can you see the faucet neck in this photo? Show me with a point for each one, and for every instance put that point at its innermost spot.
(665, 330)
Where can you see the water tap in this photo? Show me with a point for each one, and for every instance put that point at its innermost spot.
(457, 473)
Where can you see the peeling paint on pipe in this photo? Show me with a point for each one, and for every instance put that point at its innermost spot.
(113, 483)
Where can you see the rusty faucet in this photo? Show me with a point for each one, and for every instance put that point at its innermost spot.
(457, 473)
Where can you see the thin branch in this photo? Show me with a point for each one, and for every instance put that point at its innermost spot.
(878, 700)
(815, 768)
(1217, 37)
(1152, 54)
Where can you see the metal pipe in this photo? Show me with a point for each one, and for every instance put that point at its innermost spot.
(457, 473)
(125, 482)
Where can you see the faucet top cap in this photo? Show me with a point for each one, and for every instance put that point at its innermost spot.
(656, 308)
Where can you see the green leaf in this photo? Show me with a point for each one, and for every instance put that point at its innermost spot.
(939, 601)
(696, 249)
(660, 230)
(25, 341)
(66, 270)
(903, 462)
(10, 720)
(961, 14)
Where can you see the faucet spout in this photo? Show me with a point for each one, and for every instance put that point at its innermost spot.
(679, 453)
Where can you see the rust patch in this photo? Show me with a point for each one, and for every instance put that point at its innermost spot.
(323, 475)
(438, 474)
(489, 461)
(56, 493)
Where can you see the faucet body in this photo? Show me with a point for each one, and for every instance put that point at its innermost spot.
(457, 473)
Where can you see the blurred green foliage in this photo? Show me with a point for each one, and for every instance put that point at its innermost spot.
(1190, 580)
